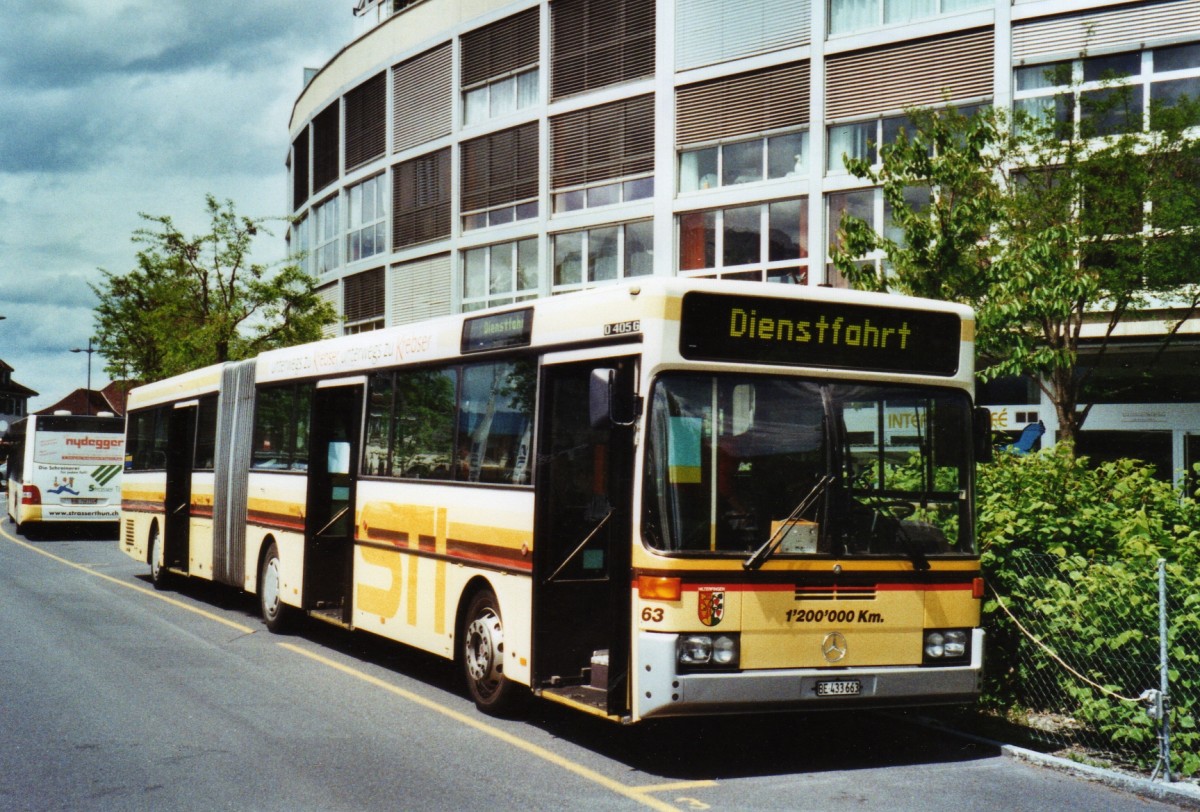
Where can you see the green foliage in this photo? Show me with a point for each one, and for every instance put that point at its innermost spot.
(1040, 228)
(1072, 550)
(194, 301)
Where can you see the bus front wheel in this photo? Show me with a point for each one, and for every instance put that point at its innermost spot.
(275, 613)
(158, 573)
(483, 655)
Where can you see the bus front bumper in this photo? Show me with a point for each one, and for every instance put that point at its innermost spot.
(662, 691)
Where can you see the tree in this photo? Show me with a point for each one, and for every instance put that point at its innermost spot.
(194, 301)
(1043, 226)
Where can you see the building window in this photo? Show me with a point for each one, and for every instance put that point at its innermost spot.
(367, 210)
(863, 139)
(1108, 94)
(500, 178)
(603, 155)
(584, 259)
(856, 15)
(366, 121)
(326, 144)
(300, 170)
(363, 301)
(327, 232)
(421, 199)
(300, 245)
(500, 67)
(596, 43)
(762, 242)
(767, 158)
(500, 274)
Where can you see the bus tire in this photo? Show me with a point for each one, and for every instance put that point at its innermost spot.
(482, 655)
(158, 573)
(276, 615)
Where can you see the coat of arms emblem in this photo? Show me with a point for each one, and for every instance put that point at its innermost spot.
(711, 607)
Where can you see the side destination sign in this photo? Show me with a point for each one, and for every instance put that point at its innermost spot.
(806, 332)
(498, 331)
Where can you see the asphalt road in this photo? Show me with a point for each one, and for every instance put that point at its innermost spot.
(117, 697)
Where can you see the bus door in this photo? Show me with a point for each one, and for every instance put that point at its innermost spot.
(329, 517)
(581, 595)
(181, 449)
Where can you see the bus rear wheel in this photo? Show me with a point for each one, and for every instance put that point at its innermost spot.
(482, 656)
(275, 613)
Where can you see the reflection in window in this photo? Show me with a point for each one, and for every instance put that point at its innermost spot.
(367, 210)
(605, 254)
(778, 156)
(723, 239)
(500, 274)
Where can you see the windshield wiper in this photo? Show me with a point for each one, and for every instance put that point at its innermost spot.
(764, 552)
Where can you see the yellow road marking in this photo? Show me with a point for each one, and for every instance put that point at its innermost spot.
(149, 593)
(639, 794)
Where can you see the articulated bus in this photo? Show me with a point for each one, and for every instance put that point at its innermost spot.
(64, 468)
(674, 497)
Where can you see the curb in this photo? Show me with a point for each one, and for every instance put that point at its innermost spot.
(1183, 794)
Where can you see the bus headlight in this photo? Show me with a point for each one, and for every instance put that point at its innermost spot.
(707, 651)
(943, 645)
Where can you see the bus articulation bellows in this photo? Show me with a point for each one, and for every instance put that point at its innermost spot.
(671, 497)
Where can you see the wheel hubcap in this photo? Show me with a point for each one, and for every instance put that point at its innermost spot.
(485, 647)
(270, 586)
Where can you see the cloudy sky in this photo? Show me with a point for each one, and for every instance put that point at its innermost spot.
(109, 108)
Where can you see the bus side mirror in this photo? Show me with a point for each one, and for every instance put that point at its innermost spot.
(604, 401)
(983, 434)
(600, 397)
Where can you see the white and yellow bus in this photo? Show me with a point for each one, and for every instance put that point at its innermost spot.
(64, 468)
(673, 497)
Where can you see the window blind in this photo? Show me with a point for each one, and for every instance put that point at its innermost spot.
(595, 43)
(500, 168)
(325, 145)
(423, 98)
(300, 170)
(366, 121)
(362, 295)
(602, 143)
(711, 31)
(744, 104)
(421, 289)
(1133, 25)
(500, 48)
(421, 199)
(910, 74)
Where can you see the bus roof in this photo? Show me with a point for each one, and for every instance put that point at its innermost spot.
(621, 313)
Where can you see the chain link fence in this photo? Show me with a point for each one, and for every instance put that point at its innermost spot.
(1099, 659)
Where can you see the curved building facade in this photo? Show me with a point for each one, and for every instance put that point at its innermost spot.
(467, 153)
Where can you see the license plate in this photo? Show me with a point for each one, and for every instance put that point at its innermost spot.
(842, 687)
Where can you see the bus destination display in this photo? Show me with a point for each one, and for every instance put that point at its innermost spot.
(723, 327)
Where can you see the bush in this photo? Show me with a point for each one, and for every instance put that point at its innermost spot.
(1073, 550)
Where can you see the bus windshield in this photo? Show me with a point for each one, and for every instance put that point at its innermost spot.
(753, 464)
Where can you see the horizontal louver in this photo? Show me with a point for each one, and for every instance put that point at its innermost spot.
(421, 199)
(744, 104)
(500, 168)
(362, 296)
(421, 289)
(603, 143)
(300, 169)
(911, 74)
(366, 121)
(329, 293)
(500, 48)
(595, 43)
(423, 98)
(325, 144)
(1131, 25)
(710, 31)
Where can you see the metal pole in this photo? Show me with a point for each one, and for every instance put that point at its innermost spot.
(1163, 675)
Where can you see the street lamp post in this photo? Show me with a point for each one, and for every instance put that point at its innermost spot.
(89, 352)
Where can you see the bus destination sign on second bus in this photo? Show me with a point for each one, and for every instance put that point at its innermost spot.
(722, 327)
